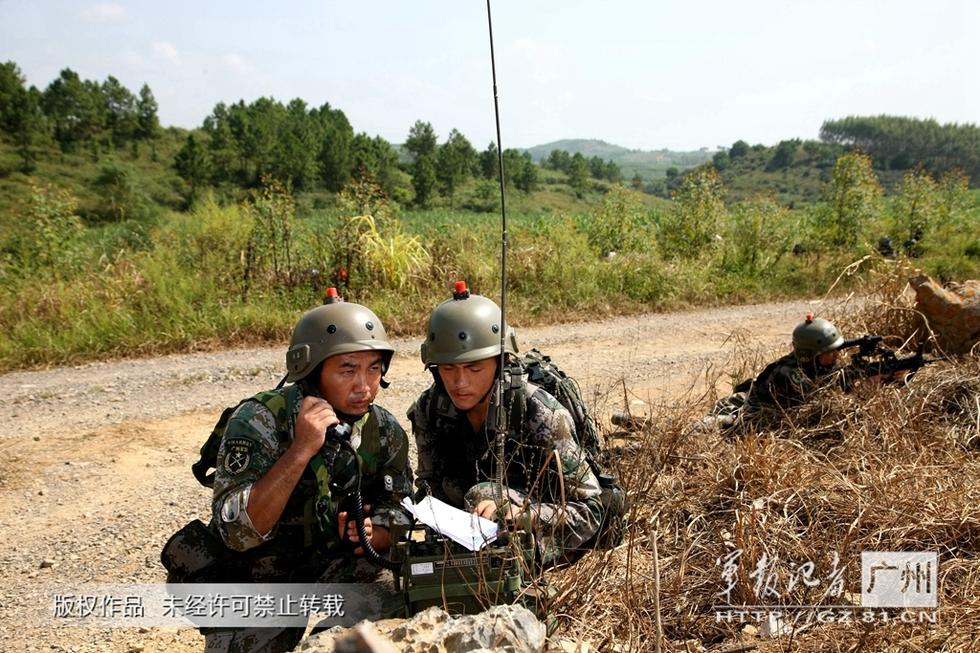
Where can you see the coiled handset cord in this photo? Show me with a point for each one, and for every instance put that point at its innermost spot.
(340, 433)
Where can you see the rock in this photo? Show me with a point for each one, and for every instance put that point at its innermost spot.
(46, 563)
(750, 630)
(953, 313)
(364, 638)
(510, 628)
(430, 619)
(775, 626)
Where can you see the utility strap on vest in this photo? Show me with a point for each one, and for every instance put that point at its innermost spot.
(515, 399)
(322, 503)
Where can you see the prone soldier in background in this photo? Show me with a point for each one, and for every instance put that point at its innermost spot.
(813, 365)
(279, 512)
(788, 381)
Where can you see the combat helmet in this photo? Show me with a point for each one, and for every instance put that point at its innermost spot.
(465, 329)
(337, 327)
(814, 336)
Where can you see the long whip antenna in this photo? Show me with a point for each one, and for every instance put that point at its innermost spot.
(500, 417)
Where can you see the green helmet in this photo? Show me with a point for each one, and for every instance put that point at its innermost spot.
(813, 337)
(335, 328)
(465, 329)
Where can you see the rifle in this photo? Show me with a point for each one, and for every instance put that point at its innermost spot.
(875, 359)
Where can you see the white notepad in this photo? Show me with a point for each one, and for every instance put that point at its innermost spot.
(462, 527)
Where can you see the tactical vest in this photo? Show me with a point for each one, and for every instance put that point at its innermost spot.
(307, 532)
(469, 457)
(523, 461)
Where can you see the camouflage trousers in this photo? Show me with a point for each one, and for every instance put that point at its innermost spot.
(726, 413)
(279, 640)
(196, 554)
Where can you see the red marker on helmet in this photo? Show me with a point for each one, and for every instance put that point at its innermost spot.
(331, 296)
(460, 291)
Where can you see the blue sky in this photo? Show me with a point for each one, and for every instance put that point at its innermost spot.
(645, 75)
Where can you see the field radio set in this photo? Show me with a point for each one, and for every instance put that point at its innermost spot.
(435, 571)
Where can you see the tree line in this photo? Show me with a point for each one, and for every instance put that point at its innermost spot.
(239, 144)
(73, 113)
(900, 143)
(579, 168)
(307, 148)
(444, 168)
(317, 149)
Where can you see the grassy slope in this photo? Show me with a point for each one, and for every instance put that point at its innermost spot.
(176, 283)
(152, 167)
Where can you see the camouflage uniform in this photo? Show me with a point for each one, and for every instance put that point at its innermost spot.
(296, 549)
(787, 382)
(458, 465)
(256, 438)
(782, 384)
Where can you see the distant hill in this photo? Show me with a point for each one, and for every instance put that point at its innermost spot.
(588, 147)
(649, 164)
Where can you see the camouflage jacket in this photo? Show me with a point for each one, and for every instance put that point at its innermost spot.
(259, 433)
(786, 383)
(546, 470)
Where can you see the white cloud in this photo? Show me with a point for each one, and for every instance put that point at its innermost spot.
(167, 50)
(105, 11)
(235, 63)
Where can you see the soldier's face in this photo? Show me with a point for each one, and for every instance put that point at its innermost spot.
(828, 358)
(349, 382)
(468, 383)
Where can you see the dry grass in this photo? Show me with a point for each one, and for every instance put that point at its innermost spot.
(883, 468)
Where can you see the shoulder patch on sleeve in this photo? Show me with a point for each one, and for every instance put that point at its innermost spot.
(238, 455)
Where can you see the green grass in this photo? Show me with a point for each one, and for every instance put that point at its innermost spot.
(170, 281)
(150, 168)
(179, 285)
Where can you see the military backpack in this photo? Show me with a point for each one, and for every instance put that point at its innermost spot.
(541, 371)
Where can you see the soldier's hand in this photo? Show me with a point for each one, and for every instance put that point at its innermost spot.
(487, 508)
(316, 415)
(347, 528)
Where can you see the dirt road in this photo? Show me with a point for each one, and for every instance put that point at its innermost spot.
(95, 465)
